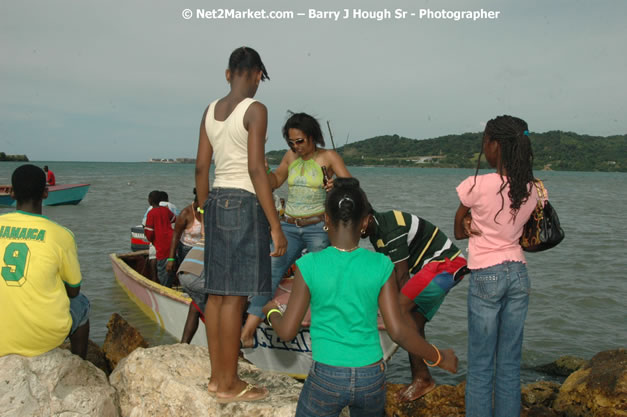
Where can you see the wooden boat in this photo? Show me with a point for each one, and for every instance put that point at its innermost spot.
(169, 307)
(57, 195)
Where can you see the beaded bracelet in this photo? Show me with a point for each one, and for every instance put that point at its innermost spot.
(274, 310)
(437, 362)
(201, 211)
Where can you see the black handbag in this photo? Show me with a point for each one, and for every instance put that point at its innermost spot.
(542, 231)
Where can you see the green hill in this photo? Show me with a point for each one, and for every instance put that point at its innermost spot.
(555, 150)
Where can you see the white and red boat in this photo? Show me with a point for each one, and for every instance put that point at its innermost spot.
(169, 307)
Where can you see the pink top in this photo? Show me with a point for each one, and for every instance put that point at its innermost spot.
(498, 242)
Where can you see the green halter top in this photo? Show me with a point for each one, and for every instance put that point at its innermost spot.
(306, 193)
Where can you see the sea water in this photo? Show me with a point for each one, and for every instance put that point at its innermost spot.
(577, 305)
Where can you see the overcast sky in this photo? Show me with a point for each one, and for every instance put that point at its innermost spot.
(127, 81)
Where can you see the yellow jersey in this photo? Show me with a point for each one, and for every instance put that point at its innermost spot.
(37, 256)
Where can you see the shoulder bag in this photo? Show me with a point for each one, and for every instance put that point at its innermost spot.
(542, 231)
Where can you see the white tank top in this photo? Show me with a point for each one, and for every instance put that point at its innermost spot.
(229, 140)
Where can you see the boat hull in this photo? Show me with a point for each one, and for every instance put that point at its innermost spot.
(169, 308)
(66, 194)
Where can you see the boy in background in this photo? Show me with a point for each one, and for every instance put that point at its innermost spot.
(158, 231)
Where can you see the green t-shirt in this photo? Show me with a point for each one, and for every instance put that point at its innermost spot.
(345, 289)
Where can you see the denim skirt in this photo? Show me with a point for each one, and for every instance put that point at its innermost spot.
(237, 244)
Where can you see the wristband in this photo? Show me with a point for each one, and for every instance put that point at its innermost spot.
(201, 211)
(274, 310)
(171, 259)
(269, 171)
(437, 362)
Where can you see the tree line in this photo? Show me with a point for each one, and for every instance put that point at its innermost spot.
(553, 150)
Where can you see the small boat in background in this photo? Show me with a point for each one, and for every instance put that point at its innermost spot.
(138, 239)
(168, 307)
(57, 195)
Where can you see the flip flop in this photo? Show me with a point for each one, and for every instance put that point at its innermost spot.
(241, 396)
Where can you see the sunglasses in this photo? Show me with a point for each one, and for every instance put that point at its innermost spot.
(291, 143)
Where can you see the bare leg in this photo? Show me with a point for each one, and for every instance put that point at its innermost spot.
(228, 382)
(212, 321)
(191, 325)
(248, 331)
(422, 383)
(79, 340)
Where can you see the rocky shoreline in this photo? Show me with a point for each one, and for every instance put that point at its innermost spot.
(171, 380)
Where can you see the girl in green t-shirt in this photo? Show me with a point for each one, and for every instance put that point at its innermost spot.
(345, 286)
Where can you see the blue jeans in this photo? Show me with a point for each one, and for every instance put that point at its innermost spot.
(80, 308)
(328, 389)
(312, 237)
(498, 297)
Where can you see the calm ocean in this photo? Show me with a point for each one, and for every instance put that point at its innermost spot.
(575, 307)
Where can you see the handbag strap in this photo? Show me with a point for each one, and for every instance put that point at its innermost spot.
(541, 191)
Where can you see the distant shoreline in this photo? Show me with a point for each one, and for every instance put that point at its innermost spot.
(13, 158)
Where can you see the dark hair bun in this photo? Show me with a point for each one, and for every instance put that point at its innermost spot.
(346, 183)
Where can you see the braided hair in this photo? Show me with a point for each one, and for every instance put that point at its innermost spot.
(245, 59)
(512, 134)
(346, 202)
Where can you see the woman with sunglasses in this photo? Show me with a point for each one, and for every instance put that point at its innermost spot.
(308, 169)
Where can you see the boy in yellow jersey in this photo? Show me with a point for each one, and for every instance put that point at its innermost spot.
(40, 277)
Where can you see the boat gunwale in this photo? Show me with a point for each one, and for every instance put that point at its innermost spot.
(145, 282)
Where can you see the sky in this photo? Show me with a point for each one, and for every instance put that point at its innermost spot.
(129, 81)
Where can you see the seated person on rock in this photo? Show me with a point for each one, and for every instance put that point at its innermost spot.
(40, 277)
(427, 266)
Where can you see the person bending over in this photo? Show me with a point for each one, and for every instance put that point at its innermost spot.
(427, 266)
(40, 299)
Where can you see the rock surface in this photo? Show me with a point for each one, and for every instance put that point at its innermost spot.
(172, 380)
(121, 340)
(541, 393)
(598, 389)
(563, 366)
(443, 401)
(95, 355)
(56, 383)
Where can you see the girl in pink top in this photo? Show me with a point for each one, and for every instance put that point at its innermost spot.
(498, 294)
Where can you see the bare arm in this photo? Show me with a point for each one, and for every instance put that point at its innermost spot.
(181, 223)
(287, 326)
(401, 269)
(72, 291)
(337, 166)
(399, 329)
(203, 163)
(279, 175)
(255, 121)
(460, 233)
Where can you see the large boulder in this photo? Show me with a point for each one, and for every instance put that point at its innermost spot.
(598, 389)
(443, 401)
(56, 383)
(121, 340)
(171, 380)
